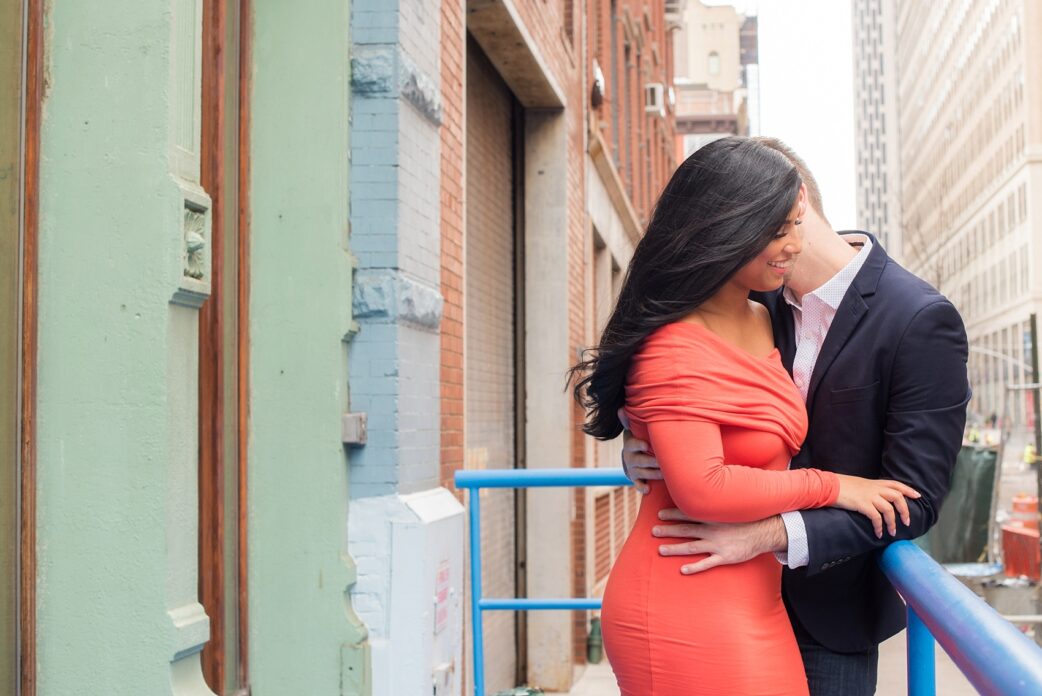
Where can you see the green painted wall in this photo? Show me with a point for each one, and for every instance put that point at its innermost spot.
(118, 364)
(304, 638)
(110, 260)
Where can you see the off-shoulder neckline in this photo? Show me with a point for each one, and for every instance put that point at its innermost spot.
(775, 352)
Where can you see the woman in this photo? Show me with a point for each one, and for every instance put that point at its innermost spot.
(693, 361)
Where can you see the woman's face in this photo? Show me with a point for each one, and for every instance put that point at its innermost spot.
(773, 266)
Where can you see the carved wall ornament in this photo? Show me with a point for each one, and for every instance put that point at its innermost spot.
(195, 243)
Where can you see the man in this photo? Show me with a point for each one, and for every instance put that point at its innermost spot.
(880, 359)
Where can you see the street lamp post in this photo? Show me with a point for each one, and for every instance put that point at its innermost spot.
(1035, 403)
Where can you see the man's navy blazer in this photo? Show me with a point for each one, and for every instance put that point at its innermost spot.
(887, 399)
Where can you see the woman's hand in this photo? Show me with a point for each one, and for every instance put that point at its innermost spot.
(876, 499)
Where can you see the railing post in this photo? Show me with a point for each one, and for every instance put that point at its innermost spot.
(922, 663)
(475, 591)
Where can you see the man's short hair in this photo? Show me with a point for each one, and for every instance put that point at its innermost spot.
(813, 192)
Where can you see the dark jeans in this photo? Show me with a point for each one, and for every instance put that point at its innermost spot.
(839, 674)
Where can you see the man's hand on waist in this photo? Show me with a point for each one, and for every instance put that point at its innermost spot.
(725, 544)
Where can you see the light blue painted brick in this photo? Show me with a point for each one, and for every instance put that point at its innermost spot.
(372, 386)
(381, 438)
(374, 173)
(375, 244)
(373, 123)
(373, 105)
(370, 490)
(375, 191)
(367, 246)
(363, 208)
(375, 36)
(386, 6)
(363, 20)
(380, 138)
(383, 368)
(381, 335)
(379, 260)
(370, 243)
(386, 141)
(374, 466)
(366, 226)
(384, 406)
(366, 153)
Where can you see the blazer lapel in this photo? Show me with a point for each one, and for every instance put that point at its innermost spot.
(782, 325)
(784, 333)
(848, 315)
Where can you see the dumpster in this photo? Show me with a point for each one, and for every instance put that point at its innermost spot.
(961, 534)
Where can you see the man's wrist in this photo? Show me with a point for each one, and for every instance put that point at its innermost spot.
(774, 537)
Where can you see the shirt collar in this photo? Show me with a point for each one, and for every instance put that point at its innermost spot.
(832, 291)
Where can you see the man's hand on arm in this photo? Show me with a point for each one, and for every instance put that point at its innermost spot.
(639, 466)
(725, 544)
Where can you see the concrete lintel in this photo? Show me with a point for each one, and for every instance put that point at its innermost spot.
(612, 181)
(384, 70)
(503, 36)
(383, 294)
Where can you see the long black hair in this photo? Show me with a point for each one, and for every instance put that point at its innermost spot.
(720, 209)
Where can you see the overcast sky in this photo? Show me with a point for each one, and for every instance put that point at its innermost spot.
(806, 91)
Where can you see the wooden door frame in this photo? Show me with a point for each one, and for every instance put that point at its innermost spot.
(30, 250)
(211, 349)
(243, 325)
(229, 301)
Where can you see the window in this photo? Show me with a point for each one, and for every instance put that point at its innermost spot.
(714, 64)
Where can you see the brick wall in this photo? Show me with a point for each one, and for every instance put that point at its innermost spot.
(452, 168)
(568, 35)
(488, 328)
(641, 146)
(644, 153)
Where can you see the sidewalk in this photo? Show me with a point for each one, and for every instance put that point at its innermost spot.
(598, 680)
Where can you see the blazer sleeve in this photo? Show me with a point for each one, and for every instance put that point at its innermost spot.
(922, 435)
(706, 488)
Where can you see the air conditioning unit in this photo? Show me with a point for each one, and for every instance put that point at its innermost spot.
(674, 14)
(655, 98)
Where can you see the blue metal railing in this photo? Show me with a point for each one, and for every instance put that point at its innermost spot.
(990, 651)
(518, 478)
(995, 656)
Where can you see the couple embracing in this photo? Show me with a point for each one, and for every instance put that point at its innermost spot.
(792, 401)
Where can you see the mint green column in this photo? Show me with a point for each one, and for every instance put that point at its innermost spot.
(304, 637)
(119, 292)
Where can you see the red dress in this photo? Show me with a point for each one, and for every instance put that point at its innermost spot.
(723, 425)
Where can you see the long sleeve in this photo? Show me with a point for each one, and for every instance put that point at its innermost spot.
(706, 488)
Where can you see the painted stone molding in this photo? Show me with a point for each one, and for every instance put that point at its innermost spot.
(194, 284)
(391, 296)
(418, 89)
(195, 243)
(385, 71)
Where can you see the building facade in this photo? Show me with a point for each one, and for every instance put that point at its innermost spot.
(179, 293)
(629, 158)
(293, 262)
(875, 121)
(557, 138)
(716, 58)
(970, 117)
